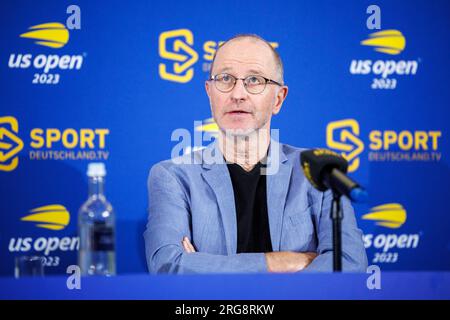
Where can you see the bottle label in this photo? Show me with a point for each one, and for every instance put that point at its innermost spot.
(103, 238)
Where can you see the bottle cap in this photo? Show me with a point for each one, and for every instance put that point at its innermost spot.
(96, 169)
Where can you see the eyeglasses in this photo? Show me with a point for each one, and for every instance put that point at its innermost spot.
(254, 84)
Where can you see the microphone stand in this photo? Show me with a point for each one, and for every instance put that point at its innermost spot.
(336, 216)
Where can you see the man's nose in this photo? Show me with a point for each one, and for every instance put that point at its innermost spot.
(239, 93)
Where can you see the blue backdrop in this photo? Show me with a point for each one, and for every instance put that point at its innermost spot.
(110, 81)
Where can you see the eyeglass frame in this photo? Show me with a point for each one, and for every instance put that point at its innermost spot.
(267, 81)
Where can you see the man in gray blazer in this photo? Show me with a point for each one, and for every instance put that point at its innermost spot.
(243, 204)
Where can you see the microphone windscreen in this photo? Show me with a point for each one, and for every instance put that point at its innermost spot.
(317, 162)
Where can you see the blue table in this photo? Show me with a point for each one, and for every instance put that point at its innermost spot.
(394, 285)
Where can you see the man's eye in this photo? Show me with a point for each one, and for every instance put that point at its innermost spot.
(254, 80)
(225, 78)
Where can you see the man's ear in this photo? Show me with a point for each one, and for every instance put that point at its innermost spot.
(279, 99)
(208, 88)
(208, 92)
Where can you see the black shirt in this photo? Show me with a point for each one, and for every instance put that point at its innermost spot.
(253, 233)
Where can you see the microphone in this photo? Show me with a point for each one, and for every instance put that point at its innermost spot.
(325, 169)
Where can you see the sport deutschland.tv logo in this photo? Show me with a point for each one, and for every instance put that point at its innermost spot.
(176, 48)
(181, 54)
(10, 143)
(51, 144)
(389, 42)
(384, 145)
(343, 136)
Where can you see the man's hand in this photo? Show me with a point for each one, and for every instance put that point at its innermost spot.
(287, 261)
(187, 245)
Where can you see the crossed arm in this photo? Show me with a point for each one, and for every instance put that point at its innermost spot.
(169, 250)
(285, 261)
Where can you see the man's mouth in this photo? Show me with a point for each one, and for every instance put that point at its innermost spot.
(238, 112)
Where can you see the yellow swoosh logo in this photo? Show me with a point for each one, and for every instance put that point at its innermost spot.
(53, 217)
(53, 34)
(388, 41)
(391, 215)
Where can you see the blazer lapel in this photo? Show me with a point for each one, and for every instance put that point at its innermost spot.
(277, 186)
(218, 178)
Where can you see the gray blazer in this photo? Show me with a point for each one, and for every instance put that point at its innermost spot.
(190, 196)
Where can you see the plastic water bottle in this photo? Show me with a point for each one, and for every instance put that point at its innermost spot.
(96, 227)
